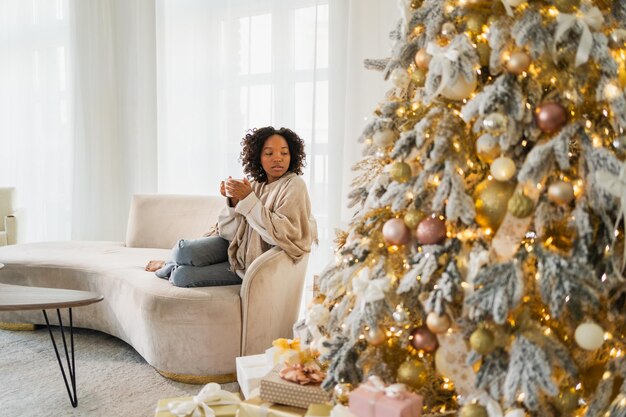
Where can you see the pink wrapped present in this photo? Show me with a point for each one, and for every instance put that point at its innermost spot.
(375, 399)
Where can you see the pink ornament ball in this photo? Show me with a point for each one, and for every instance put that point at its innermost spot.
(431, 231)
(395, 232)
(550, 117)
(424, 339)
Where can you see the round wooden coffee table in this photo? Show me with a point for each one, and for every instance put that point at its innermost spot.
(17, 297)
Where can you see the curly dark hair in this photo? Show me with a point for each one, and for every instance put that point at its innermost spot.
(253, 143)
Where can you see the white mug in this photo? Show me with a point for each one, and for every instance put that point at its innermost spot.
(226, 182)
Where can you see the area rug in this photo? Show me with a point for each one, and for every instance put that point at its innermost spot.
(112, 379)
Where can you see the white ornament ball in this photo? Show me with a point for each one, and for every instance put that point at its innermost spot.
(384, 137)
(444, 367)
(487, 148)
(503, 168)
(461, 89)
(589, 336)
(400, 78)
(561, 192)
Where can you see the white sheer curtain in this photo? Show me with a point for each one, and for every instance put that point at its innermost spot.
(87, 87)
(114, 135)
(77, 113)
(224, 67)
(35, 114)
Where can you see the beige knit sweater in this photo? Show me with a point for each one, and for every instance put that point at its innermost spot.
(276, 214)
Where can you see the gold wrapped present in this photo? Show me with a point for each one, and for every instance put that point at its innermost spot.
(275, 389)
(256, 407)
(212, 401)
(319, 410)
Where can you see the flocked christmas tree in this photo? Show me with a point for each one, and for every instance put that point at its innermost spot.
(484, 265)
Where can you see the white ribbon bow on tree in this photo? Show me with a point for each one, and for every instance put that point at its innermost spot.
(199, 405)
(443, 57)
(317, 316)
(370, 290)
(375, 384)
(591, 19)
(616, 185)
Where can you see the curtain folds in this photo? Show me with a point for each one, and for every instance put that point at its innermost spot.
(114, 156)
(103, 99)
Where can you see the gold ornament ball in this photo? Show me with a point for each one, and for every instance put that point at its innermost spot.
(475, 22)
(561, 192)
(566, 401)
(412, 373)
(461, 89)
(483, 341)
(400, 172)
(518, 63)
(521, 205)
(422, 59)
(491, 201)
(484, 53)
(375, 336)
(567, 6)
(495, 123)
(413, 217)
(384, 137)
(473, 410)
(419, 77)
(448, 30)
(415, 4)
(487, 148)
(436, 323)
(503, 168)
(342, 392)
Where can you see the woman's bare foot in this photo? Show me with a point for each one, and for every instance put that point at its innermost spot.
(154, 265)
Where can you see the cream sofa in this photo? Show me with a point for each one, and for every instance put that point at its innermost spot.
(187, 334)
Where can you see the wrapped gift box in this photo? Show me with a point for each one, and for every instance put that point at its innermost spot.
(368, 401)
(319, 410)
(162, 409)
(276, 390)
(250, 370)
(256, 407)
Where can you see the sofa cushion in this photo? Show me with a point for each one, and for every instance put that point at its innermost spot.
(159, 221)
(181, 330)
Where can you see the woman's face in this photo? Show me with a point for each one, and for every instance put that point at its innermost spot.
(275, 157)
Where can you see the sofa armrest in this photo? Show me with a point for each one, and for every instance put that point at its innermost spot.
(270, 299)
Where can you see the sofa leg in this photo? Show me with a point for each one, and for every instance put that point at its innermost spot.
(17, 326)
(199, 379)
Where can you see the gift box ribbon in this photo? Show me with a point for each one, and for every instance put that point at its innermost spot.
(210, 395)
(376, 385)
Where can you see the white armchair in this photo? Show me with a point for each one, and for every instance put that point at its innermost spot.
(8, 220)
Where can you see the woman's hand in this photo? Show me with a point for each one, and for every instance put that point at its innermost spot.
(237, 189)
(223, 188)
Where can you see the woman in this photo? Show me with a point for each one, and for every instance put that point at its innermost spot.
(272, 210)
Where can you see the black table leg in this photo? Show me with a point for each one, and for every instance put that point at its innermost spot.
(70, 366)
